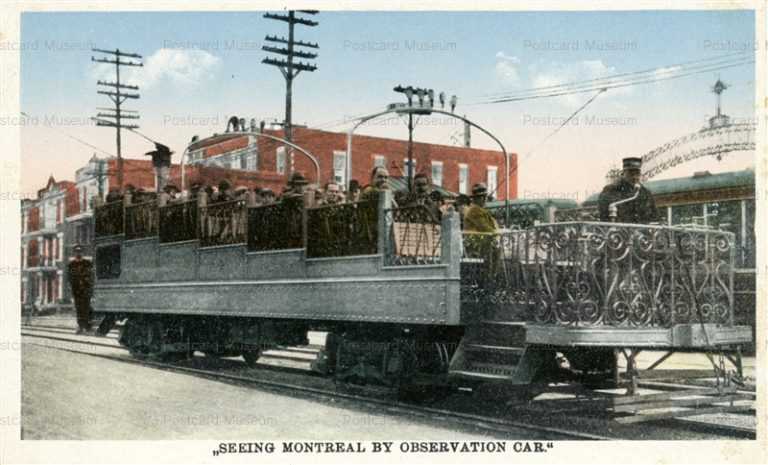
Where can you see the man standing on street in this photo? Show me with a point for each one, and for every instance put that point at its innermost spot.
(80, 273)
(640, 210)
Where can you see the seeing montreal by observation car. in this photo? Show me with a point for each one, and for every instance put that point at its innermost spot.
(410, 300)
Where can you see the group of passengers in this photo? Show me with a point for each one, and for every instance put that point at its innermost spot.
(471, 208)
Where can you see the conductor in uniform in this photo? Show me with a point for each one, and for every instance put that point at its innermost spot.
(80, 273)
(641, 210)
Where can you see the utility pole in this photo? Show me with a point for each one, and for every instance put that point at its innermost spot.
(421, 93)
(118, 97)
(288, 66)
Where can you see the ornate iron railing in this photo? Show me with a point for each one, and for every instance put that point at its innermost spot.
(577, 214)
(178, 222)
(276, 227)
(591, 274)
(141, 220)
(343, 230)
(108, 219)
(414, 236)
(223, 223)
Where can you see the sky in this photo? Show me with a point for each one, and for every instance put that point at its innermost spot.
(201, 68)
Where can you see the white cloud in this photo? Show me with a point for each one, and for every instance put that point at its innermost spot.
(507, 69)
(186, 67)
(555, 74)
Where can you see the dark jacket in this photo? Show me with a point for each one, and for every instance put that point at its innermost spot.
(642, 210)
(81, 277)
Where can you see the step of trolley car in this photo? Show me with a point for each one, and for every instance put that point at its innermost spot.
(478, 353)
(497, 333)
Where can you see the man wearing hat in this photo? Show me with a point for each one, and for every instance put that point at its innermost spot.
(476, 217)
(296, 185)
(80, 272)
(482, 244)
(641, 210)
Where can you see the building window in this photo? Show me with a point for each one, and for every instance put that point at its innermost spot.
(463, 178)
(688, 214)
(252, 160)
(280, 167)
(379, 160)
(492, 180)
(60, 247)
(340, 167)
(437, 173)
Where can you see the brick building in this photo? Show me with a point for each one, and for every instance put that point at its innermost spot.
(453, 168)
(43, 263)
(61, 216)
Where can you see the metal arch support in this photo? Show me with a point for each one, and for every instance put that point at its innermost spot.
(309, 155)
(420, 110)
(719, 140)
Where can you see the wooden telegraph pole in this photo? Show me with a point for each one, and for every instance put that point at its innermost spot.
(288, 65)
(116, 94)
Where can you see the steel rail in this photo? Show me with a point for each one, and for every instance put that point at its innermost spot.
(466, 419)
(476, 421)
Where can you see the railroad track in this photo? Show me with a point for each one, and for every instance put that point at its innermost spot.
(490, 424)
(478, 422)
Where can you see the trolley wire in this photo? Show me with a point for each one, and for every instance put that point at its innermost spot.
(651, 71)
(577, 88)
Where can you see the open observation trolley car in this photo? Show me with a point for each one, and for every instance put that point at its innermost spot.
(410, 301)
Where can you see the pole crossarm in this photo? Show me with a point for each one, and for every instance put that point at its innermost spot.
(284, 64)
(117, 85)
(420, 110)
(117, 53)
(291, 19)
(112, 115)
(286, 52)
(116, 62)
(116, 94)
(122, 110)
(110, 124)
(283, 40)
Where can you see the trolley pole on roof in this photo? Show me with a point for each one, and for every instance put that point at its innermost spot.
(114, 90)
(288, 66)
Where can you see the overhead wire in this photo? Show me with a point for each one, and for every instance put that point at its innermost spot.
(576, 87)
(562, 125)
(712, 60)
(73, 137)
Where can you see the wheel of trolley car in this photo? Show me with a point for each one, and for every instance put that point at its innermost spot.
(251, 356)
(593, 367)
(409, 367)
(141, 336)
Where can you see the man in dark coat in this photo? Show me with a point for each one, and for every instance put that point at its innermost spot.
(641, 210)
(80, 273)
(422, 195)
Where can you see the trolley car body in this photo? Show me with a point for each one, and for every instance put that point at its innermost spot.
(495, 308)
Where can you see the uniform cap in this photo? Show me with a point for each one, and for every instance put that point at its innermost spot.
(632, 163)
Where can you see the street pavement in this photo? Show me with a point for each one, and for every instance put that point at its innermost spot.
(73, 396)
